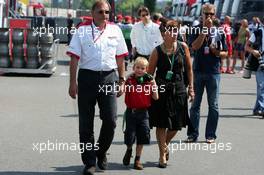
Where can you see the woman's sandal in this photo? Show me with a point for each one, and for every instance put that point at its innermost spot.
(167, 155)
(162, 164)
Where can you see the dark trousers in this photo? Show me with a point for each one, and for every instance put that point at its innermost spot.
(69, 38)
(89, 83)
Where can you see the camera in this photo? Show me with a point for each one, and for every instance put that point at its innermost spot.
(253, 64)
(261, 61)
(145, 78)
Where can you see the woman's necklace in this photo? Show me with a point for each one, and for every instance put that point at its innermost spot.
(169, 51)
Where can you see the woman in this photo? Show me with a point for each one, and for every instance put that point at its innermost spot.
(170, 113)
(243, 36)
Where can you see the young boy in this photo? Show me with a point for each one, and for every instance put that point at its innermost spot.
(140, 88)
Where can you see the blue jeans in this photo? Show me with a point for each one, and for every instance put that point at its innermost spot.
(259, 106)
(211, 83)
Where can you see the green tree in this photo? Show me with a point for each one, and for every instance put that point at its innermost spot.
(86, 4)
(150, 4)
(128, 7)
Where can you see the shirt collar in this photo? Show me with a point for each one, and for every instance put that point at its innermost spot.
(96, 28)
(148, 24)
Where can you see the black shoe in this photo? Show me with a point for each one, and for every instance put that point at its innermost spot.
(89, 170)
(258, 113)
(102, 162)
(127, 157)
(191, 139)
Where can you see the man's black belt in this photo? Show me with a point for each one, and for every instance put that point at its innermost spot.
(96, 72)
(134, 110)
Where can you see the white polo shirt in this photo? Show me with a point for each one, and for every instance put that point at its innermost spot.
(145, 37)
(97, 50)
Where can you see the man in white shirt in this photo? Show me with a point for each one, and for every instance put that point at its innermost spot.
(99, 48)
(145, 35)
(257, 49)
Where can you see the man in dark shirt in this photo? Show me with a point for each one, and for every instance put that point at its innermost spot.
(208, 46)
(69, 27)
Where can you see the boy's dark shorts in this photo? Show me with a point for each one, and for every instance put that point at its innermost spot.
(137, 127)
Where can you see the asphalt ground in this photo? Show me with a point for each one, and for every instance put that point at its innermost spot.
(37, 111)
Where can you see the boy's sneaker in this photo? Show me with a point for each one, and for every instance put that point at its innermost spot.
(127, 157)
(138, 165)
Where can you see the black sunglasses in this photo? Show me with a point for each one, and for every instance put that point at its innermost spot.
(207, 14)
(143, 15)
(104, 12)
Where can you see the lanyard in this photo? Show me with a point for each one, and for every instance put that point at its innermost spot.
(207, 41)
(171, 61)
(95, 39)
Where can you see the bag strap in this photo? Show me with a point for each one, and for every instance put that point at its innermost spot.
(182, 52)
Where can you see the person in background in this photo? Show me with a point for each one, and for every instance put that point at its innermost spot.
(156, 17)
(254, 25)
(227, 29)
(135, 20)
(69, 27)
(255, 46)
(136, 115)
(243, 36)
(145, 35)
(126, 29)
(119, 20)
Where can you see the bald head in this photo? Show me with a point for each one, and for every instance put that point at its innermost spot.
(99, 3)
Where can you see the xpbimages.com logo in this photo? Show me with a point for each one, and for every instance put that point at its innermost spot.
(59, 30)
(50, 146)
(146, 89)
(212, 148)
(196, 30)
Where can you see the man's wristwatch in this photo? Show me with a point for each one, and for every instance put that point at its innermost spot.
(121, 80)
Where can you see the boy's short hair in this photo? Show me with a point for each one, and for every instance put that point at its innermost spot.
(141, 61)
